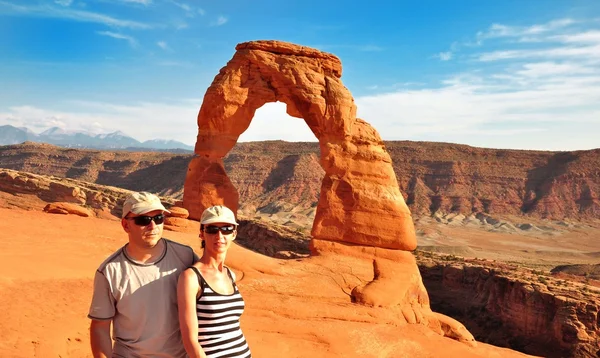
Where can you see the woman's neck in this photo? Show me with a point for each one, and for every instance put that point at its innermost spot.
(216, 262)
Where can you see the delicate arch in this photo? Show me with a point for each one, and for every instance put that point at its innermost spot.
(360, 201)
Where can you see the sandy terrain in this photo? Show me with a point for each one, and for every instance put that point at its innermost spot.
(534, 243)
(293, 306)
(531, 242)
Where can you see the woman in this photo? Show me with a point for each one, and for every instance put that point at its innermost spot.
(210, 304)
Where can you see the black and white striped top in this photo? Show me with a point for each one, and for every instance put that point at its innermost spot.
(219, 332)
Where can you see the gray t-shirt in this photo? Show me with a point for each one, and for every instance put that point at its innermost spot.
(141, 300)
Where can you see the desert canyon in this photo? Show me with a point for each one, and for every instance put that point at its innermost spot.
(349, 247)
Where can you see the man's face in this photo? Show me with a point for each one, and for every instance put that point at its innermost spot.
(143, 236)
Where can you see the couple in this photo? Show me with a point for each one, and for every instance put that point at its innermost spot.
(160, 298)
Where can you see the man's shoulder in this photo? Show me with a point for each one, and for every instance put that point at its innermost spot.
(115, 258)
(178, 246)
(184, 252)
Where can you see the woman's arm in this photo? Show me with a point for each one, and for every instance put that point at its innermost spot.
(187, 289)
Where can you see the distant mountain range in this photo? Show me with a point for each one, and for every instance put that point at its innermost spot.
(81, 139)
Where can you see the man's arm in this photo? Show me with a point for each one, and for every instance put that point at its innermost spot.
(100, 338)
(102, 311)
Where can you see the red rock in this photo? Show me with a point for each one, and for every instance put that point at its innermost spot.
(360, 201)
(459, 178)
(68, 193)
(67, 208)
(178, 212)
(551, 322)
(176, 221)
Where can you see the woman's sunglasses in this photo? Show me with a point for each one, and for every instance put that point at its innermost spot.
(225, 230)
(145, 220)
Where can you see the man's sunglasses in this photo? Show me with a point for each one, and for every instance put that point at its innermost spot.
(145, 220)
(225, 230)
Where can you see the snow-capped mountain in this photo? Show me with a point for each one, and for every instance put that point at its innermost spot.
(81, 139)
(164, 144)
(13, 135)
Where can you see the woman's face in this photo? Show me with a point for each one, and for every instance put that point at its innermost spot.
(218, 236)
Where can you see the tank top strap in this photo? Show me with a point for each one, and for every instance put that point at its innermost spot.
(201, 280)
(235, 289)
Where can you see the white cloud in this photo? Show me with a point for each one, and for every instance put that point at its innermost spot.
(444, 56)
(163, 45)
(64, 2)
(221, 20)
(271, 122)
(73, 14)
(182, 6)
(143, 2)
(170, 120)
(34, 118)
(180, 25)
(499, 30)
(546, 69)
(132, 41)
(582, 37)
(531, 106)
(592, 52)
(542, 92)
(190, 11)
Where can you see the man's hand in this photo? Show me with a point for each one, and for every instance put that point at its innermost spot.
(100, 338)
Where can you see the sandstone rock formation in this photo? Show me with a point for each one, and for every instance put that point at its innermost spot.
(272, 240)
(161, 173)
(524, 309)
(177, 219)
(360, 201)
(276, 177)
(173, 223)
(29, 191)
(361, 212)
(178, 212)
(67, 208)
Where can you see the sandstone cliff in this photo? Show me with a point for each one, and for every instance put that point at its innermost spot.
(509, 306)
(280, 176)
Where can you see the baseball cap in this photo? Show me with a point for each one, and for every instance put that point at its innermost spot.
(218, 214)
(141, 203)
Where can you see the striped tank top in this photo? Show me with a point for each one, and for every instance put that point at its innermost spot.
(219, 332)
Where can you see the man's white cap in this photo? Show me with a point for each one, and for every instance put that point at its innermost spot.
(218, 214)
(141, 203)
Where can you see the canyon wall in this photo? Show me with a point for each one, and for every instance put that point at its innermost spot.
(517, 308)
(280, 176)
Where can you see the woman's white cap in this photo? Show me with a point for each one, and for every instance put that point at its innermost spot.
(218, 214)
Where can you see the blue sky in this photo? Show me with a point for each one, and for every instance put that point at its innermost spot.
(500, 74)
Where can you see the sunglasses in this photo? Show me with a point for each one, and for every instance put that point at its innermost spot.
(225, 230)
(145, 220)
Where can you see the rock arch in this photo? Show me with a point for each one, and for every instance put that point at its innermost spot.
(360, 202)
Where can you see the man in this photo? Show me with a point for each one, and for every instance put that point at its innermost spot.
(135, 289)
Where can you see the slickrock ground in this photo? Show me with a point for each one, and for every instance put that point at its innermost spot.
(294, 307)
(457, 287)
